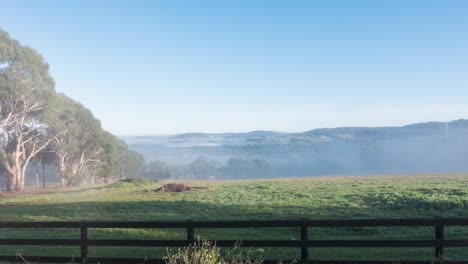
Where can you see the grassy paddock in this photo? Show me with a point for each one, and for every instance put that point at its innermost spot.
(429, 195)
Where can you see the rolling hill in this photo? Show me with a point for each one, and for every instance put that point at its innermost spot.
(421, 147)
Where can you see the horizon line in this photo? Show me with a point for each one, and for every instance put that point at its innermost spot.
(284, 132)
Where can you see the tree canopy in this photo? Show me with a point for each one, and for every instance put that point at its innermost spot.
(34, 119)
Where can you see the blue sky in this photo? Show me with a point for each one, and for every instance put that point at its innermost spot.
(159, 67)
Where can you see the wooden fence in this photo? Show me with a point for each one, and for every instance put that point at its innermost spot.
(303, 242)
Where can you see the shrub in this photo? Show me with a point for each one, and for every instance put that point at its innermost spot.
(131, 183)
(204, 252)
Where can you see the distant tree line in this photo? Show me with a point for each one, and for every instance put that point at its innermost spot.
(201, 168)
(40, 126)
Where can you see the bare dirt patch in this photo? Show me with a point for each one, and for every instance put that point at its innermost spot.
(176, 187)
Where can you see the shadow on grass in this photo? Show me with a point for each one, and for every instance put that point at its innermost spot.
(182, 210)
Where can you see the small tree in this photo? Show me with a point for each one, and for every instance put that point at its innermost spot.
(200, 168)
(159, 170)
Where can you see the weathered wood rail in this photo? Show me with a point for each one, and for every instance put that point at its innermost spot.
(304, 242)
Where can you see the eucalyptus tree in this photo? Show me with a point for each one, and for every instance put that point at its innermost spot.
(109, 161)
(76, 144)
(25, 86)
(128, 163)
(118, 161)
(35, 121)
(84, 151)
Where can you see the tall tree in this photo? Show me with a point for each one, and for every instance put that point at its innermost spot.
(25, 86)
(23, 140)
(35, 120)
(85, 152)
(76, 144)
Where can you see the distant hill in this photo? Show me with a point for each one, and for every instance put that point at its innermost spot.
(421, 147)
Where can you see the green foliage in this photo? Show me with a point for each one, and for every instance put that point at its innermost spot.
(127, 163)
(84, 152)
(23, 71)
(25, 91)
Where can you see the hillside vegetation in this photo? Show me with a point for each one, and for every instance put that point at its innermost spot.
(40, 128)
(430, 195)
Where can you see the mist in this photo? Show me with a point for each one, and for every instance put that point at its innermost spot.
(418, 148)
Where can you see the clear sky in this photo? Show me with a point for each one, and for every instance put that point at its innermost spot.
(158, 67)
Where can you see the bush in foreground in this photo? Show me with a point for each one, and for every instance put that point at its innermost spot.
(204, 252)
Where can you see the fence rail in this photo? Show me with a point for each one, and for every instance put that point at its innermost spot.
(304, 243)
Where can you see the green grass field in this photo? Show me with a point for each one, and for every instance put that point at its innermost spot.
(430, 195)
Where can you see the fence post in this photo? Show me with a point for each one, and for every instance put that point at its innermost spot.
(439, 235)
(304, 239)
(84, 244)
(190, 231)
